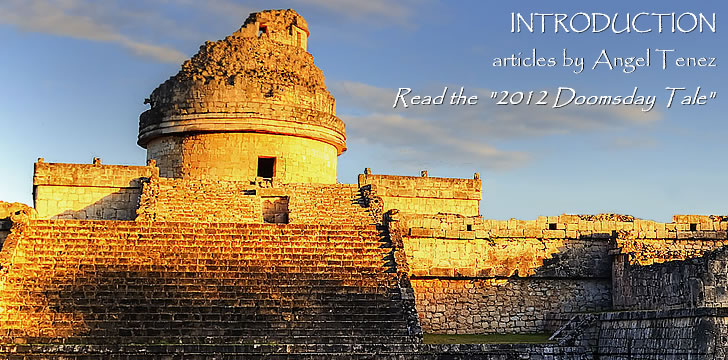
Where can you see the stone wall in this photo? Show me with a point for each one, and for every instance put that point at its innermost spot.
(326, 204)
(426, 195)
(234, 157)
(664, 335)
(686, 237)
(512, 305)
(166, 199)
(696, 282)
(460, 246)
(473, 275)
(554, 246)
(88, 191)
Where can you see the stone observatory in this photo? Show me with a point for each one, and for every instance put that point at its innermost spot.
(253, 105)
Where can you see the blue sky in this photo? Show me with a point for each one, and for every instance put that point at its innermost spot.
(75, 74)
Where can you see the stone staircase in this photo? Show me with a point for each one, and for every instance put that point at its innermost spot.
(581, 330)
(113, 283)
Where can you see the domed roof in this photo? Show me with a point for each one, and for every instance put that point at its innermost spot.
(260, 79)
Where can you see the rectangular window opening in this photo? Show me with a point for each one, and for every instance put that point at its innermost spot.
(552, 226)
(266, 167)
(693, 227)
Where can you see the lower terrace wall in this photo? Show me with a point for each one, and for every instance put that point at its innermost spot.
(512, 305)
(426, 195)
(88, 191)
(695, 282)
(697, 334)
(675, 287)
(473, 275)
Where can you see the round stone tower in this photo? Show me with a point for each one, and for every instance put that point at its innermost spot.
(250, 106)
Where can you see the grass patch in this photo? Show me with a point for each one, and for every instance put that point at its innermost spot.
(486, 338)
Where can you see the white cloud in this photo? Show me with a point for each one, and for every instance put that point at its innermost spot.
(468, 133)
(146, 27)
(77, 19)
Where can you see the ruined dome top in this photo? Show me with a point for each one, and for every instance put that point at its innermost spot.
(277, 19)
(259, 79)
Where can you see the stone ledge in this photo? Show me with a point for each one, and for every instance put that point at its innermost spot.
(410, 351)
(664, 314)
(247, 122)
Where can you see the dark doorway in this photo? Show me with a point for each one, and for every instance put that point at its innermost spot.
(266, 167)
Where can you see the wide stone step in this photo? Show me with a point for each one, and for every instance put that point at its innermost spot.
(204, 344)
(253, 309)
(200, 226)
(302, 291)
(382, 283)
(402, 350)
(220, 255)
(131, 276)
(94, 246)
(380, 315)
(383, 286)
(141, 239)
(238, 265)
(279, 329)
(63, 300)
(171, 234)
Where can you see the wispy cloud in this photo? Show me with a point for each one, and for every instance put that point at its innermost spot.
(230, 8)
(423, 141)
(222, 8)
(468, 133)
(78, 19)
(146, 28)
(397, 11)
(632, 142)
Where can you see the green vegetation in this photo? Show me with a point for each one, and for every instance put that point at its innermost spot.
(486, 339)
